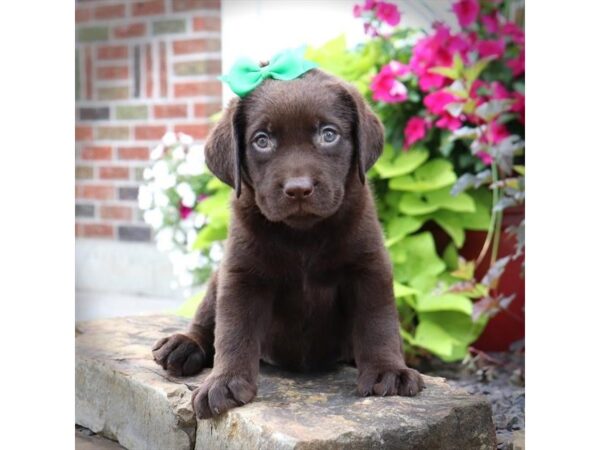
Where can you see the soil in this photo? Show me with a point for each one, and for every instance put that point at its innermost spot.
(501, 378)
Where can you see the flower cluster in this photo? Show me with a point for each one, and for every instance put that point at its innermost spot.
(447, 70)
(175, 186)
(377, 14)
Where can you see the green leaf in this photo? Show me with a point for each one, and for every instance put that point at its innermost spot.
(416, 205)
(465, 269)
(419, 249)
(477, 220)
(519, 169)
(448, 72)
(208, 235)
(447, 334)
(445, 302)
(428, 202)
(188, 309)
(451, 224)
(472, 73)
(434, 174)
(401, 290)
(433, 337)
(402, 164)
(399, 227)
(450, 256)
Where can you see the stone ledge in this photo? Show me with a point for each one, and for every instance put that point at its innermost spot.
(122, 394)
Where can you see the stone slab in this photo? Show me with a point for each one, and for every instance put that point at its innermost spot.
(122, 394)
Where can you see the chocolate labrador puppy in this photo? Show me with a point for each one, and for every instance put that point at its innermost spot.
(305, 282)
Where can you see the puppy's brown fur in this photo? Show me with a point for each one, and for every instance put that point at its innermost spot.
(306, 281)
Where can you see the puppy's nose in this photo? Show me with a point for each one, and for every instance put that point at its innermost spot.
(298, 188)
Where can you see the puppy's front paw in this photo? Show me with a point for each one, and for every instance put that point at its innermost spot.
(179, 355)
(220, 393)
(402, 381)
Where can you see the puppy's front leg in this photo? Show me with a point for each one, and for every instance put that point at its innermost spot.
(243, 315)
(376, 339)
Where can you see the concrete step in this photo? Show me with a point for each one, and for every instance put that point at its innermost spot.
(122, 394)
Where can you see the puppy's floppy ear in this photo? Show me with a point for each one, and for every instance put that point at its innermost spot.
(368, 134)
(224, 147)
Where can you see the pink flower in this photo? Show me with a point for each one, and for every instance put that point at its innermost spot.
(385, 85)
(495, 133)
(436, 102)
(485, 157)
(436, 50)
(449, 122)
(466, 11)
(415, 130)
(388, 13)
(184, 211)
(490, 48)
(519, 106)
(517, 65)
(499, 92)
(490, 22)
(513, 31)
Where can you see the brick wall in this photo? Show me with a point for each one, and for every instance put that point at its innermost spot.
(142, 68)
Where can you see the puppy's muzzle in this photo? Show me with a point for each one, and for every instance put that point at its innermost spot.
(298, 188)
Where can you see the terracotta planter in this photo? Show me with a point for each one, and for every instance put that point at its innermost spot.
(507, 326)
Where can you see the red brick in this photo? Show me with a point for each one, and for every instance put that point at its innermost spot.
(134, 153)
(96, 192)
(83, 133)
(96, 153)
(148, 8)
(197, 131)
(112, 52)
(207, 23)
(196, 46)
(167, 111)
(116, 212)
(150, 132)
(96, 230)
(114, 173)
(206, 109)
(128, 31)
(83, 15)
(109, 11)
(112, 73)
(192, 89)
(186, 5)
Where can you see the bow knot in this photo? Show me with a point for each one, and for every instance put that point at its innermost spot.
(246, 75)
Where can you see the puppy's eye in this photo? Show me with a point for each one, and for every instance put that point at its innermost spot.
(262, 142)
(329, 135)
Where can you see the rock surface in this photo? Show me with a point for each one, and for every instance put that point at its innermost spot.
(122, 394)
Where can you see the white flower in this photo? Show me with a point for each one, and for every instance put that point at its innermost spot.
(188, 197)
(148, 174)
(216, 252)
(161, 199)
(154, 218)
(191, 238)
(186, 279)
(192, 260)
(160, 169)
(180, 237)
(169, 139)
(199, 220)
(185, 139)
(144, 197)
(194, 161)
(164, 239)
(179, 153)
(166, 182)
(157, 152)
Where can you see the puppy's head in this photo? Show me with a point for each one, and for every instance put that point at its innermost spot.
(295, 144)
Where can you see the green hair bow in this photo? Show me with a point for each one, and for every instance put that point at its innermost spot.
(246, 75)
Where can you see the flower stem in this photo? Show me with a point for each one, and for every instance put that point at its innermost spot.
(493, 220)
